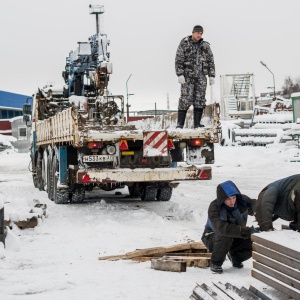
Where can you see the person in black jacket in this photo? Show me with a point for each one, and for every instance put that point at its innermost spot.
(226, 232)
(279, 199)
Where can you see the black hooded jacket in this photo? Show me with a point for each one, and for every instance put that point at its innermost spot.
(224, 220)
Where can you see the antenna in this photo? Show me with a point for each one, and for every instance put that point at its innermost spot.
(96, 10)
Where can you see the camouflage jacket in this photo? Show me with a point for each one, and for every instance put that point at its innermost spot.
(191, 60)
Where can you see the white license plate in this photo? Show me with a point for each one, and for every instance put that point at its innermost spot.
(98, 158)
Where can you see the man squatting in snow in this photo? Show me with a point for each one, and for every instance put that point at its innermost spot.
(194, 60)
(226, 231)
(279, 199)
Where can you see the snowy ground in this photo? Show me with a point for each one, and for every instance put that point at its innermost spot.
(58, 259)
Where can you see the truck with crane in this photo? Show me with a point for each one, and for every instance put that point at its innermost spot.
(80, 139)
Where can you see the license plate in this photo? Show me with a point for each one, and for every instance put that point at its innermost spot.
(98, 158)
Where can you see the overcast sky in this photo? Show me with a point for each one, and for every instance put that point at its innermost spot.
(37, 35)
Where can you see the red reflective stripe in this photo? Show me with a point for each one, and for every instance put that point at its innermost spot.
(148, 139)
(161, 141)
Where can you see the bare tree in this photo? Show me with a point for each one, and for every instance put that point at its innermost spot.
(290, 86)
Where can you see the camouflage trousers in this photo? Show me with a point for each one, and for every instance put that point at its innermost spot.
(193, 93)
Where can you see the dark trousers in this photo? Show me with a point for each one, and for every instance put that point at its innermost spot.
(240, 249)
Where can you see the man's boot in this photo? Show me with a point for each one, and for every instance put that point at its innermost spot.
(181, 118)
(197, 117)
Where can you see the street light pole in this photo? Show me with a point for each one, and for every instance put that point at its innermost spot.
(273, 77)
(127, 105)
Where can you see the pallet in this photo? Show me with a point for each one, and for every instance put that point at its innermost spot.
(275, 263)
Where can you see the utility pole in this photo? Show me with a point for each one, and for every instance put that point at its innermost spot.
(274, 98)
(168, 102)
(127, 105)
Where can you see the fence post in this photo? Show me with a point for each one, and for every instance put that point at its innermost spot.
(2, 227)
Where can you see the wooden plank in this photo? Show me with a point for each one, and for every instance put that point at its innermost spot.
(249, 293)
(281, 277)
(258, 293)
(168, 265)
(233, 288)
(200, 294)
(192, 261)
(226, 291)
(208, 254)
(294, 263)
(276, 265)
(275, 246)
(211, 292)
(289, 291)
(156, 250)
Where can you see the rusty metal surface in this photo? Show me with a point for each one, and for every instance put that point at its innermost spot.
(144, 175)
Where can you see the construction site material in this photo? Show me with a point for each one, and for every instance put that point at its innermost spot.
(168, 265)
(25, 216)
(192, 254)
(219, 291)
(277, 264)
(2, 226)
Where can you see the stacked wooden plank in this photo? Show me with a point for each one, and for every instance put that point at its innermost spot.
(276, 260)
(24, 217)
(220, 291)
(171, 258)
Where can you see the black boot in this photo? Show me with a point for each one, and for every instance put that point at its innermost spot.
(197, 117)
(181, 118)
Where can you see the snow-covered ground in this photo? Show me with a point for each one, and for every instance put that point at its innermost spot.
(58, 259)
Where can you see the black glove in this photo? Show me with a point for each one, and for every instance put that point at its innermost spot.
(254, 229)
(266, 226)
(245, 232)
(293, 226)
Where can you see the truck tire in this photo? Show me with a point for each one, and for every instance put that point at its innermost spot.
(60, 196)
(44, 170)
(78, 195)
(49, 178)
(164, 194)
(134, 191)
(148, 193)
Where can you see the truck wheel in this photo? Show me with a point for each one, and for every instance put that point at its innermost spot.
(44, 171)
(35, 181)
(60, 196)
(78, 195)
(164, 194)
(49, 178)
(149, 193)
(134, 191)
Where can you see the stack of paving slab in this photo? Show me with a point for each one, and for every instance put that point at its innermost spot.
(276, 260)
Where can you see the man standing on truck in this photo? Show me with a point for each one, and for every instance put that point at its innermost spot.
(279, 199)
(194, 60)
(226, 231)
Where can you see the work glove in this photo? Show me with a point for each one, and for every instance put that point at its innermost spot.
(266, 226)
(211, 80)
(245, 232)
(181, 79)
(293, 226)
(254, 229)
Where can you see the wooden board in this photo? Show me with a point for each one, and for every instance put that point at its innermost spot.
(264, 260)
(191, 261)
(291, 292)
(154, 251)
(281, 277)
(276, 246)
(168, 265)
(289, 261)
